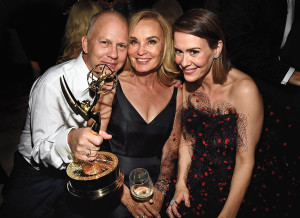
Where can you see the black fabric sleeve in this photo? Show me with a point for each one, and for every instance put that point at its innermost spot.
(251, 37)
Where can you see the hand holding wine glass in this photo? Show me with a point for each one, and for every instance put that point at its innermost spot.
(141, 185)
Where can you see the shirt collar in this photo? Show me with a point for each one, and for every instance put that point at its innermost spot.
(82, 72)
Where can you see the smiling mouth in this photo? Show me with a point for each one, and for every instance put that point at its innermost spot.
(143, 60)
(189, 71)
(110, 64)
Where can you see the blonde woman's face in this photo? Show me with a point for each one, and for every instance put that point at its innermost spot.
(146, 44)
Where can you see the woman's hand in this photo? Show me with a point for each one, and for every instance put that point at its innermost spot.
(181, 194)
(177, 83)
(138, 209)
(157, 200)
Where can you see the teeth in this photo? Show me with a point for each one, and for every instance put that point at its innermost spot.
(190, 70)
(143, 59)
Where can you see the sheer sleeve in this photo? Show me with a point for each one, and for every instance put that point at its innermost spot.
(169, 155)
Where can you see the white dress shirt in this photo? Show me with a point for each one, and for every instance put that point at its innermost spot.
(288, 26)
(44, 139)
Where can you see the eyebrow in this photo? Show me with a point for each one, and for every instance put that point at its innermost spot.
(190, 49)
(123, 42)
(195, 48)
(148, 38)
(152, 37)
(110, 41)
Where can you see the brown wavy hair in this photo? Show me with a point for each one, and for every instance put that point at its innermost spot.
(205, 24)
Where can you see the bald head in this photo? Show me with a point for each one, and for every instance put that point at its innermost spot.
(104, 17)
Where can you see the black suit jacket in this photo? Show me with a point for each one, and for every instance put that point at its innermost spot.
(254, 31)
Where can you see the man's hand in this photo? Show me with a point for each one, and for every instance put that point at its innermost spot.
(85, 144)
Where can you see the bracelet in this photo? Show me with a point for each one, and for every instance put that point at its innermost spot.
(164, 182)
(161, 189)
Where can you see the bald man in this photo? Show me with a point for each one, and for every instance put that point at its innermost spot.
(53, 132)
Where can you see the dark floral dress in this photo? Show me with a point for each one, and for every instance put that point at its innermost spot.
(214, 139)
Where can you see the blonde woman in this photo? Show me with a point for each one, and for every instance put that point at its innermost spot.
(77, 24)
(144, 108)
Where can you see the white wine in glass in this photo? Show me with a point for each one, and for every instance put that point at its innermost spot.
(141, 185)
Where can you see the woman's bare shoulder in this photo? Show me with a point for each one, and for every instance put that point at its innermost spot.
(241, 83)
(244, 93)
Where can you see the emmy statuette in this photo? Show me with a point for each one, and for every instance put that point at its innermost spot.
(102, 176)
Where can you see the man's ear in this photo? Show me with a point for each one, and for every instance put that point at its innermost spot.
(84, 44)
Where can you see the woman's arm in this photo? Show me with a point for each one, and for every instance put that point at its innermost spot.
(248, 103)
(184, 161)
(169, 156)
(181, 192)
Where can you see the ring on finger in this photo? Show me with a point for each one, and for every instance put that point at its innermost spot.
(89, 154)
(173, 202)
(142, 216)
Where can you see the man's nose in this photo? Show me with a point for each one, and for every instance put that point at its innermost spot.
(113, 52)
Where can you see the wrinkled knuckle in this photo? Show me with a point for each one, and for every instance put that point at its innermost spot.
(77, 149)
(81, 141)
(100, 140)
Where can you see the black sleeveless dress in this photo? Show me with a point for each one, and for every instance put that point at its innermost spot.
(214, 136)
(136, 143)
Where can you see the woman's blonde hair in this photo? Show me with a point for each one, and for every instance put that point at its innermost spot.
(76, 26)
(167, 70)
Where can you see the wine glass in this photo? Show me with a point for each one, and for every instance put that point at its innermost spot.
(141, 185)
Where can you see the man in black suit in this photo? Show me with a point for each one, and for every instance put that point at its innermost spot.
(261, 44)
(254, 31)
